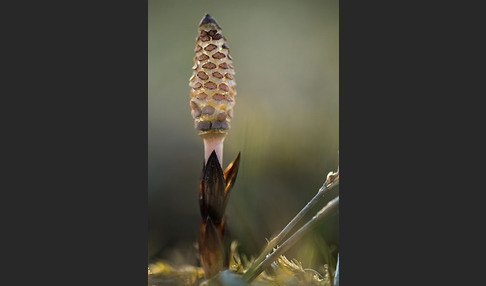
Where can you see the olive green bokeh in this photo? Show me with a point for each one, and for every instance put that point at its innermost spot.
(286, 58)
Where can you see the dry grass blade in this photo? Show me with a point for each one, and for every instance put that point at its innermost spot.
(332, 180)
(324, 212)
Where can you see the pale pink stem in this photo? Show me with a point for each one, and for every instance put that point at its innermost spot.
(213, 141)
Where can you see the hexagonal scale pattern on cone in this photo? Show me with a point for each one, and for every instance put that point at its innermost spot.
(212, 83)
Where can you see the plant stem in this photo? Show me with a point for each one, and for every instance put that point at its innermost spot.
(331, 181)
(336, 273)
(324, 212)
(213, 141)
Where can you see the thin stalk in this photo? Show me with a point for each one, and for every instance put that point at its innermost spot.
(336, 273)
(331, 181)
(324, 212)
(213, 141)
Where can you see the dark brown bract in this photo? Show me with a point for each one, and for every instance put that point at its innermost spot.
(214, 190)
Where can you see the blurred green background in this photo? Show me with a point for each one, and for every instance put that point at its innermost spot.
(286, 58)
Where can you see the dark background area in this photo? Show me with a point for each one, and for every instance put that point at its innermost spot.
(286, 58)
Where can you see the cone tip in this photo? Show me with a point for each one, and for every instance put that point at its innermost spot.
(207, 19)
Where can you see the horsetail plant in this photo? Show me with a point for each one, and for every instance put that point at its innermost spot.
(212, 87)
(212, 100)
